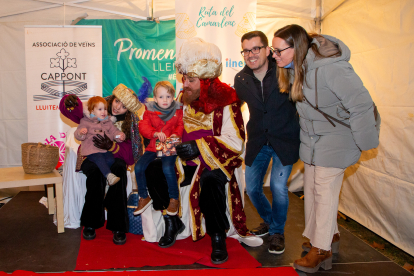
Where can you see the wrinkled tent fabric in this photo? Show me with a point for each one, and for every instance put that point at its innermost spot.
(377, 191)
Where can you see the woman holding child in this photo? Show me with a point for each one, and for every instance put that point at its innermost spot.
(123, 105)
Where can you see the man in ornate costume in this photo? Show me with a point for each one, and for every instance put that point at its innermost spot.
(213, 141)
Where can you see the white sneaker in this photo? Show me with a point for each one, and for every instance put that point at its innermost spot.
(112, 179)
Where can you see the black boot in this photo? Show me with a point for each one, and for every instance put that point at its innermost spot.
(88, 233)
(173, 227)
(119, 237)
(218, 243)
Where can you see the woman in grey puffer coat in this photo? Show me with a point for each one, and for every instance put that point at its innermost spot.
(337, 123)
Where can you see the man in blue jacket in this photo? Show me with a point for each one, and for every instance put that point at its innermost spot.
(272, 133)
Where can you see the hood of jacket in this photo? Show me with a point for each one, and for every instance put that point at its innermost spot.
(327, 45)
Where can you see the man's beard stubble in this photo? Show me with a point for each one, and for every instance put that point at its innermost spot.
(190, 95)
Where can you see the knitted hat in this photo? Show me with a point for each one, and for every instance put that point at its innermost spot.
(127, 97)
(200, 59)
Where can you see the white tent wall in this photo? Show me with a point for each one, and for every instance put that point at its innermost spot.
(378, 191)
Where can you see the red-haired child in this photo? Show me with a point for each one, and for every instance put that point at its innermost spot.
(97, 121)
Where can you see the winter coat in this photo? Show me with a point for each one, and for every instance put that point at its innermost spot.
(272, 119)
(127, 150)
(342, 95)
(152, 123)
(94, 126)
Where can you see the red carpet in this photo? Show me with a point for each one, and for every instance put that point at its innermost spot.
(102, 253)
(274, 271)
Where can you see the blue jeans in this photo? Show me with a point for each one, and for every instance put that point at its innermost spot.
(104, 161)
(168, 165)
(275, 215)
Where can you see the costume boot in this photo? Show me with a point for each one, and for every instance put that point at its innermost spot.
(306, 246)
(313, 260)
(218, 243)
(173, 227)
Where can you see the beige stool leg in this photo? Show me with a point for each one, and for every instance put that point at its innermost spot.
(50, 199)
(59, 208)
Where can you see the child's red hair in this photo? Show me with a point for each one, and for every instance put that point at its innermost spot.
(92, 102)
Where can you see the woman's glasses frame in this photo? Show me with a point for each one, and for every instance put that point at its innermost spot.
(277, 51)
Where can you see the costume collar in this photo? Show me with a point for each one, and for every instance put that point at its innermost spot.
(214, 94)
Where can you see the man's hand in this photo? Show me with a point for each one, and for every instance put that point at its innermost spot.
(71, 101)
(187, 150)
(102, 142)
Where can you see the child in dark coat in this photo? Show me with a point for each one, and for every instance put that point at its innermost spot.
(96, 121)
(163, 118)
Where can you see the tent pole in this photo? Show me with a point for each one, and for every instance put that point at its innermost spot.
(150, 10)
(318, 20)
(64, 14)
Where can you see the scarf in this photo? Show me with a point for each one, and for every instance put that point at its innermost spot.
(99, 119)
(165, 114)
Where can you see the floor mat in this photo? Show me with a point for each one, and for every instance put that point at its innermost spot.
(274, 271)
(102, 253)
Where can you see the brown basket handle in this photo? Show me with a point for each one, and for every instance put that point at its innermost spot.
(28, 153)
(39, 145)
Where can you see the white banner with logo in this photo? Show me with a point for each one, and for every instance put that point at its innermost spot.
(59, 61)
(220, 22)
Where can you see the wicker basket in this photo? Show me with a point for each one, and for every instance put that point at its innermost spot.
(38, 158)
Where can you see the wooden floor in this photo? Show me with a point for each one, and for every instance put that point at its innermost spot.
(29, 241)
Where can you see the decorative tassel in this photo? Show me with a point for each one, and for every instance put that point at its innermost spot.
(144, 91)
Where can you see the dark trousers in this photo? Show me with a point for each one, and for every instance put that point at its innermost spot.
(168, 164)
(212, 196)
(213, 201)
(104, 161)
(115, 201)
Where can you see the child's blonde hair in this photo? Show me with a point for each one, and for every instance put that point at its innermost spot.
(92, 102)
(167, 85)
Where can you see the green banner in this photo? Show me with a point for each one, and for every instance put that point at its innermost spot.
(135, 49)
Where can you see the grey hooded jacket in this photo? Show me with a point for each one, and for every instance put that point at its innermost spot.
(341, 94)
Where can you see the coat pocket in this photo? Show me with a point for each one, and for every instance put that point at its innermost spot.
(342, 112)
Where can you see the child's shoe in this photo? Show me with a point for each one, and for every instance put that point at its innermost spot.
(143, 204)
(112, 179)
(172, 209)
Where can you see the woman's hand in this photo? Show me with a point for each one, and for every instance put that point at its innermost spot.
(161, 136)
(102, 142)
(83, 131)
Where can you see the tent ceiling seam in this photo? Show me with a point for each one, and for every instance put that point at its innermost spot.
(72, 4)
(332, 9)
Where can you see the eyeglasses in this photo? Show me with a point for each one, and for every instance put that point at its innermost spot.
(254, 50)
(277, 51)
